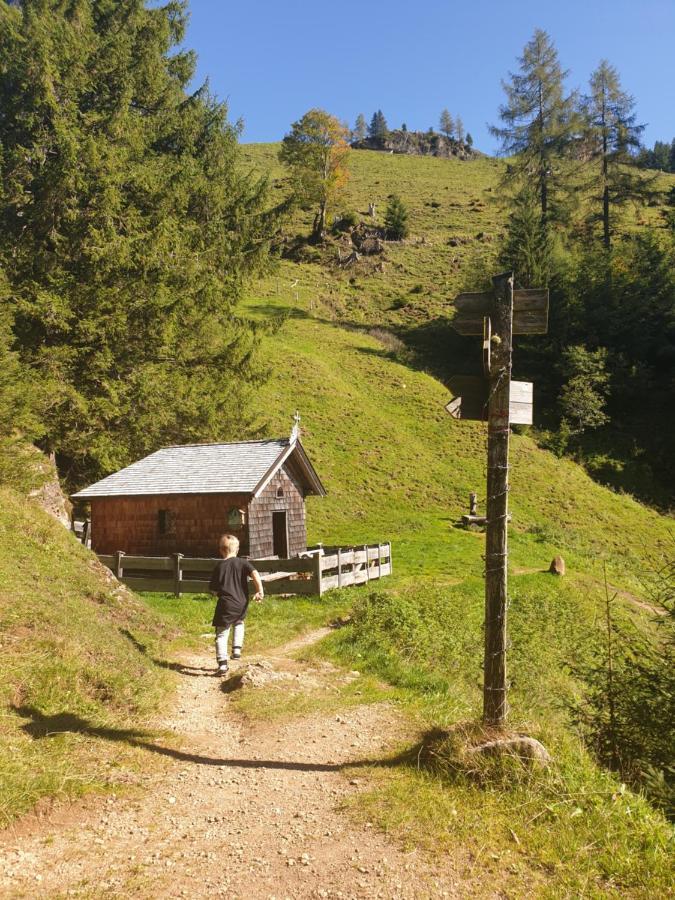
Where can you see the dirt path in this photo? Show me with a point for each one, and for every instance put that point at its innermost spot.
(238, 811)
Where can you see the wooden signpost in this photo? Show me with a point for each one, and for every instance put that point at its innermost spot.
(502, 402)
(471, 394)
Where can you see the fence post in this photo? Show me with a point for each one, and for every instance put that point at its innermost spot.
(119, 566)
(318, 573)
(379, 560)
(177, 573)
(391, 561)
(365, 547)
(339, 556)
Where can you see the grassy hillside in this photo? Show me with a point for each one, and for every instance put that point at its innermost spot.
(455, 224)
(74, 686)
(398, 468)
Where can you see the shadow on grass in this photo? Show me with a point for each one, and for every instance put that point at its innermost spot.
(182, 668)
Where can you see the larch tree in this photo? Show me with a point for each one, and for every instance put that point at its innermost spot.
(360, 129)
(611, 139)
(127, 228)
(538, 123)
(316, 152)
(446, 124)
(459, 129)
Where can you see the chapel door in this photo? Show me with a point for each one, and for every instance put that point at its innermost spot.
(280, 534)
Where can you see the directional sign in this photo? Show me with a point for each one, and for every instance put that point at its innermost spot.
(530, 311)
(471, 397)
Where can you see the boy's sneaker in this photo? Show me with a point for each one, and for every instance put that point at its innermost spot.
(236, 653)
(223, 668)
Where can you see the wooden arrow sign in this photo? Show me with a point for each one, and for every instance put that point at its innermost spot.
(471, 397)
(530, 311)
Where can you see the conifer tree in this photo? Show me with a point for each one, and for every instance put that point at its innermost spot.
(459, 129)
(538, 122)
(468, 140)
(611, 137)
(396, 219)
(316, 152)
(360, 128)
(446, 124)
(378, 130)
(127, 227)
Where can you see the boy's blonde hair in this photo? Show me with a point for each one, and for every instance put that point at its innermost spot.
(229, 543)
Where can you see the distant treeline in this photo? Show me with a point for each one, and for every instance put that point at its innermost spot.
(661, 156)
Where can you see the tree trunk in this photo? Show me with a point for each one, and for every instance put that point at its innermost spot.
(319, 226)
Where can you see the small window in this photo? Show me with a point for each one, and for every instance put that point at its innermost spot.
(280, 493)
(166, 522)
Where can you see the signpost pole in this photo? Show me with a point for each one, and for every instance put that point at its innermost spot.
(495, 705)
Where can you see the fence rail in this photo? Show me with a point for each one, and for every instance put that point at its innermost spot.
(319, 570)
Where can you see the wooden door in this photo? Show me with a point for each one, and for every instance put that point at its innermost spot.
(280, 534)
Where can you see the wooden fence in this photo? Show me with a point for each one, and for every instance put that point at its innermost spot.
(314, 573)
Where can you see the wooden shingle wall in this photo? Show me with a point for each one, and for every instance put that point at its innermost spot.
(261, 509)
(195, 522)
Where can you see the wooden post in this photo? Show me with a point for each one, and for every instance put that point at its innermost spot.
(473, 503)
(119, 566)
(339, 566)
(318, 573)
(391, 560)
(379, 560)
(177, 573)
(495, 706)
(365, 547)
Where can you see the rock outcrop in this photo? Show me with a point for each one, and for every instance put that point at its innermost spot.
(419, 143)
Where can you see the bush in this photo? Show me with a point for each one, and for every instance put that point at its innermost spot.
(345, 222)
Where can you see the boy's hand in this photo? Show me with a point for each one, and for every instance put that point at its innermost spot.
(258, 596)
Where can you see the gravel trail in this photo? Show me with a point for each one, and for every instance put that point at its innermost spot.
(239, 811)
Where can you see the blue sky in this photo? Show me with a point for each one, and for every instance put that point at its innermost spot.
(272, 61)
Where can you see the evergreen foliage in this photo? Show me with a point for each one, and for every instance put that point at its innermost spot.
(661, 156)
(378, 130)
(396, 219)
(316, 152)
(538, 123)
(527, 246)
(584, 393)
(628, 713)
(126, 230)
(611, 138)
(459, 129)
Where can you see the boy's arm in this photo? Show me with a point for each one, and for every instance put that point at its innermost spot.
(258, 585)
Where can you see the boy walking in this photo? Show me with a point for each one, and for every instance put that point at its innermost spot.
(230, 582)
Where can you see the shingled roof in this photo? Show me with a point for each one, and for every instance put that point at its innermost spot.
(244, 467)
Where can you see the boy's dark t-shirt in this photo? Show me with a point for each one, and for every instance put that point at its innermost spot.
(229, 581)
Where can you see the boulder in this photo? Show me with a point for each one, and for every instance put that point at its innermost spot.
(557, 566)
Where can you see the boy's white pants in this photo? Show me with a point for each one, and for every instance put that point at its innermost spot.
(222, 639)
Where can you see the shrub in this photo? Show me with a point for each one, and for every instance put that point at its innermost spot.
(395, 219)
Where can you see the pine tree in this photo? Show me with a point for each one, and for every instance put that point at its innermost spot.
(611, 137)
(396, 219)
(468, 140)
(671, 160)
(378, 130)
(360, 128)
(446, 124)
(316, 152)
(459, 129)
(538, 124)
(127, 228)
